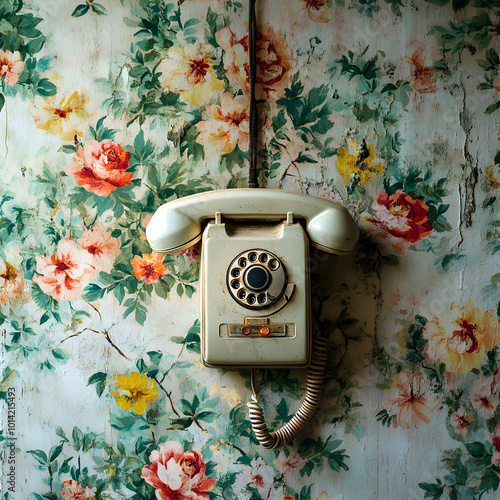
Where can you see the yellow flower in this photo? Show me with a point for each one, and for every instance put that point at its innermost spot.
(60, 115)
(461, 337)
(493, 177)
(189, 71)
(358, 160)
(135, 392)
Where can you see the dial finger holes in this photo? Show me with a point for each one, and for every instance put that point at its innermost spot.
(256, 278)
(274, 264)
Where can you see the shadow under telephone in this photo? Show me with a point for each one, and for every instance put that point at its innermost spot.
(255, 281)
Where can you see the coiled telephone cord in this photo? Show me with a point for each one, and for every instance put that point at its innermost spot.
(315, 376)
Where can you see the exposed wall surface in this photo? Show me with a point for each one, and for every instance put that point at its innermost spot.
(108, 110)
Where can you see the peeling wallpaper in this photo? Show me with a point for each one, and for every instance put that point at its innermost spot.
(108, 110)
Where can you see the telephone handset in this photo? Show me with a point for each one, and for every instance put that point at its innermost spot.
(254, 280)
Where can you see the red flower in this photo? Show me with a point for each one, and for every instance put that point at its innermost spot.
(177, 475)
(399, 220)
(100, 167)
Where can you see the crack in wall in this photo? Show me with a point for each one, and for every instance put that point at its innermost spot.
(470, 169)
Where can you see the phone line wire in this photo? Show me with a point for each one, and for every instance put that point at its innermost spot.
(253, 181)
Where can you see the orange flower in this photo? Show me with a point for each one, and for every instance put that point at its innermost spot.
(421, 74)
(274, 61)
(11, 66)
(100, 167)
(149, 268)
(461, 337)
(228, 126)
(73, 491)
(496, 82)
(409, 402)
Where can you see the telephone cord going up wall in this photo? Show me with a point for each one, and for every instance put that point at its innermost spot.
(315, 376)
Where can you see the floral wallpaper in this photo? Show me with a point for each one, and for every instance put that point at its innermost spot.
(108, 110)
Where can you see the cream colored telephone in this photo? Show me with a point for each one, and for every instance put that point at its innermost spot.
(255, 281)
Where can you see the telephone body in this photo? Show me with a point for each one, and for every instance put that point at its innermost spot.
(254, 273)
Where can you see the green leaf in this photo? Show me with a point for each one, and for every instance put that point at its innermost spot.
(433, 491)
(490, 481)
(99, 9)
(99, 379)
(55, 451)
(67, 148)
(493, 107)
(46, 88)
(80, 10)
(40, 455)
(2, 101)
(77, 438)
(459, 4)
(93, 292)
(305, 158)
(476, 450)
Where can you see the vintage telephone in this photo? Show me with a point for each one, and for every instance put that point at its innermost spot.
(255, 281)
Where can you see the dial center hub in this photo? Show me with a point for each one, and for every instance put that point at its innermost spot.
(257, 278)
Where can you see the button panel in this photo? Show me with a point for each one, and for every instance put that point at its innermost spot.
(260, 331)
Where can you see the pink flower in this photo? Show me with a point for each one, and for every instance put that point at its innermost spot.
(100, 167)
(409, 402)
(11, 66)
(317, 10)
(103, 248)
(63, 275)
(74, 491)
(192, 253)
(482, 398)
(228, 125)
(495, 438)
(461, 421)
(274, 62)
(289, 466)
(257, 475)
(177, 475)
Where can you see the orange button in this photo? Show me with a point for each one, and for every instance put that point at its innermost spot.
(245, 330)
(265, 330)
